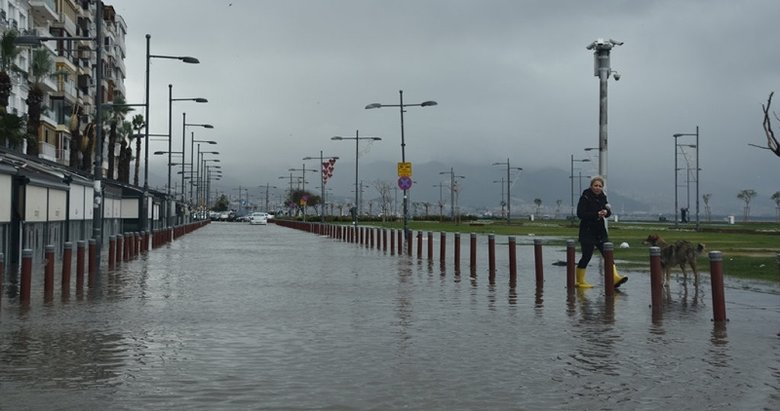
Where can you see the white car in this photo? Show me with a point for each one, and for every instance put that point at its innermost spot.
(258, 218)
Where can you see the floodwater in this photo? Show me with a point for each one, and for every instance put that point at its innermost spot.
(234, 316)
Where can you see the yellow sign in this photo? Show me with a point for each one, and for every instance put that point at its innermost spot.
(404, 169)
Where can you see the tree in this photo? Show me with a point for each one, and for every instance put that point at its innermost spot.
(771, 141)
(538, 202)
(125, 152)
(116, 115)
(706, 198)
(222, 203)
(74, 126)
(385, 191)
(13, 129)
(8, 53)
(40, 67)
(776, 198)
(138, 124)
(746, 196)
(302, 199)
(558, 207)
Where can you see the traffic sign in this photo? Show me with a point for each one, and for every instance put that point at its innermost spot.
(404, 183)
(404, 169)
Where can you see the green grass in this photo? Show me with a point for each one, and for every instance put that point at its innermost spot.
(749, 249)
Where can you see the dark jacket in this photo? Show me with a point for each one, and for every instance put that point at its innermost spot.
(592, 228)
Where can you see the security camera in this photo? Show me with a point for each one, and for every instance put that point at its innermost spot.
(616, 76)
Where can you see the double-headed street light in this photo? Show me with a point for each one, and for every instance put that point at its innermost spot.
(322, 182)
(357, 139)
(401, 106)
(192, 143)
(267, 186)
(170, 130)
(571, 177)
(508, 188)
(676, 136)
(453, 189)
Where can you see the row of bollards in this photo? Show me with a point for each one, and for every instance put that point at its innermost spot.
(364, 236)
(121, 248)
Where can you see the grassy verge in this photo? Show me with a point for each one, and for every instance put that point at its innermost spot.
(749, 249)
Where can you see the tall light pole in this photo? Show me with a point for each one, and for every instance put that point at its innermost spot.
(322, 181)
(401, 106)
(601, 66)
(357, 139)
(508, 188)
(267, 186)
(184, 126)
(452, 191)
(571, 177)
(676, 136)
(170, 143)
(441, 201)
(503, 204)
(185, 59)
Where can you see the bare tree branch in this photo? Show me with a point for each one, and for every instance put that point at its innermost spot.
(771, 141)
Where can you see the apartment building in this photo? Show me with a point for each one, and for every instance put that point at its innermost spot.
(70, 87)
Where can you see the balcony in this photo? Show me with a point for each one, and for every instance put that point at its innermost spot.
(44, 10)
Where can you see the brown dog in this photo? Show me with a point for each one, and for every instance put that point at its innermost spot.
(681, 253)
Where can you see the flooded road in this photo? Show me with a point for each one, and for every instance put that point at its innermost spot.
(234, 316)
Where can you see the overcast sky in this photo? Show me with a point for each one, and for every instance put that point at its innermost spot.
(512, 78)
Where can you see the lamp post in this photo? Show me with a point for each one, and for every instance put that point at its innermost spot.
(183, 135)
(184, 59)
(357, 139)
(441, 200)
(503, 204)
(322, 182)
(571, 177)
(601, 64)
(508, 188)
(401, 106)
(676, 136)
(184, 126)
(267, 186)
(452, 191)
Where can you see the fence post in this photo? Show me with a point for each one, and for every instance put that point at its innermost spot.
(609, 264)
(718, 295)
(570, 264)
(538, 263)
(473, 254)
(491, 259)
(512, 262)
(656, 283)
(26, 277)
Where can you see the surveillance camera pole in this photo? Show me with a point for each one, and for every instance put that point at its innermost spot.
(602, 70)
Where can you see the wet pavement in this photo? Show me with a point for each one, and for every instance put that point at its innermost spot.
(234, 316)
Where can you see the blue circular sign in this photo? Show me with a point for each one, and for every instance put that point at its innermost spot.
(404, 183)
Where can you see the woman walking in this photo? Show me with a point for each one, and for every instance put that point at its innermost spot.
(592, 210)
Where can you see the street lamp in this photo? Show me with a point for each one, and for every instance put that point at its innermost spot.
(503, 204)
(322, 181)
(441, 201)
(267, 186)
(571, 177)
(401, 106)
(184, 59)
(170, 130)
(601, 67)
(676, 136)
(453, 189)
(184, 126)
(357, 139)
(508, 189)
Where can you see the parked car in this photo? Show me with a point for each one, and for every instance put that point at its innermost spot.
(258, 218)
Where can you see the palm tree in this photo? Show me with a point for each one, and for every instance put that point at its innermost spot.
(776, 198)
(8, 52)
(125, 152)
(138, 124)
(12, 129)
(706, 198)
(538, 202)
(746, 196)
(40, 67)
(116, 115)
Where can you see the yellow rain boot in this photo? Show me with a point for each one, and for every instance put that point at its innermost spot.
(617, 278)
(580, 280)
